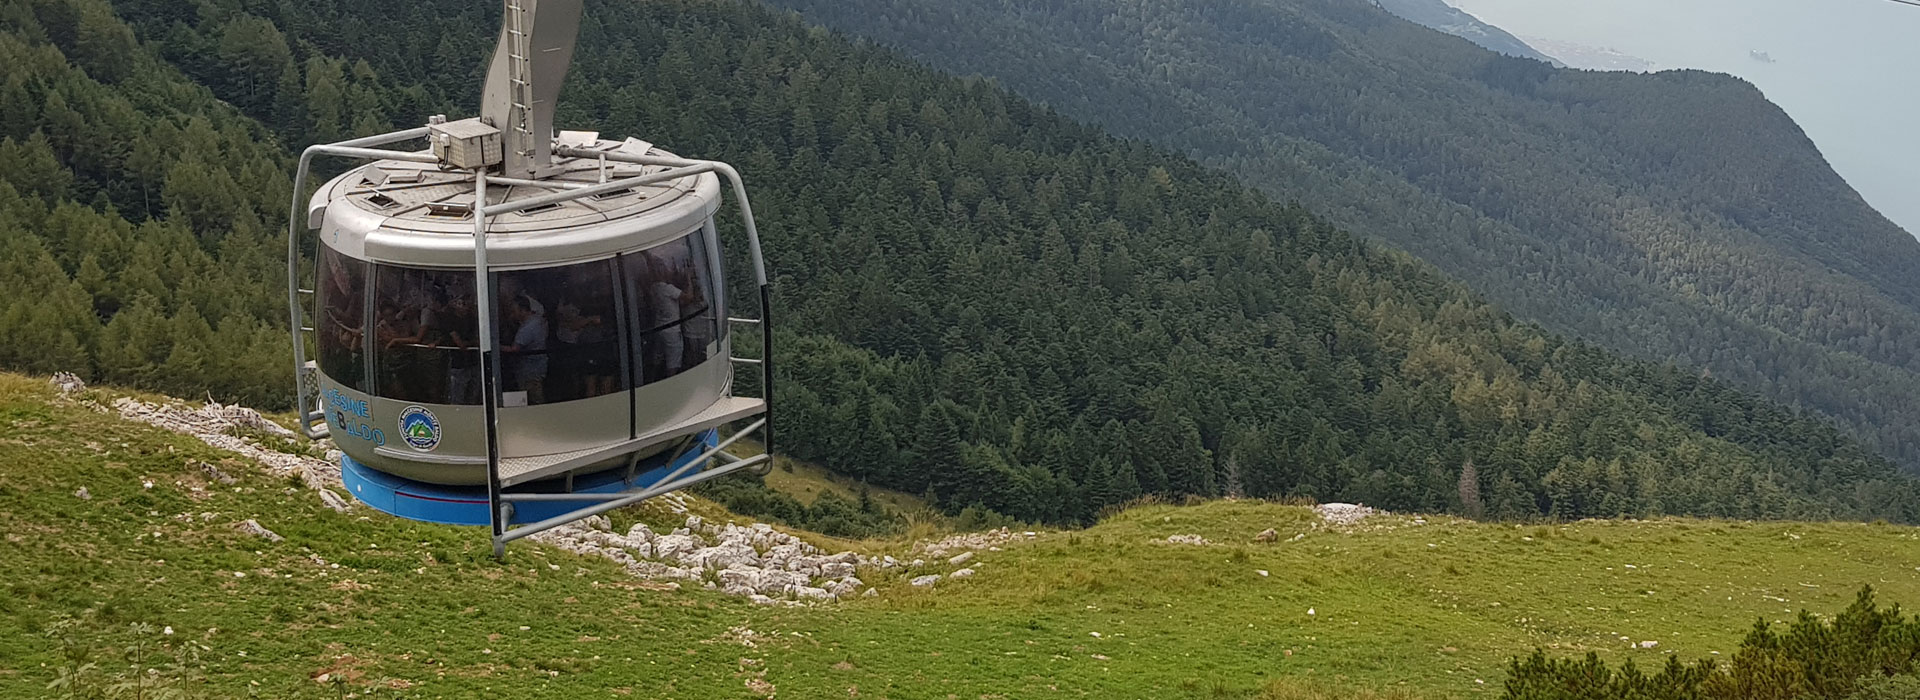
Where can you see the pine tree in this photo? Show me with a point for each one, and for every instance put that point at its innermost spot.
(937, 446)
(1469, 487)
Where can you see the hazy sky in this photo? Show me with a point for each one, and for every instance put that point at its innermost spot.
(1847, 70)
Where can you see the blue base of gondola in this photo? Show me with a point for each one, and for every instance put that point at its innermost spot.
(467, 505)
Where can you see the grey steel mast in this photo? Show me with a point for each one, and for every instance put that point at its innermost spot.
(524, 78)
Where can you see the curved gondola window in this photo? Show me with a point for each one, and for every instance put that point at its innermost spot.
(559, 334)
(426, 338)
(342, 300)
(671, 286)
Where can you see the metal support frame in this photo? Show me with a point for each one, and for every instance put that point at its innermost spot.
(699, 469)
(313, 419)
(500, 503)
(753, 248)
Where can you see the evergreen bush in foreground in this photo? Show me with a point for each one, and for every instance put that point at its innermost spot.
(1865, 653)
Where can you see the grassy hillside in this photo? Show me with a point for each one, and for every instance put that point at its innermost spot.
(1678, 216)
(386, 608)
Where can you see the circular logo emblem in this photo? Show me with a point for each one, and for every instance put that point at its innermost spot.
(419, 428)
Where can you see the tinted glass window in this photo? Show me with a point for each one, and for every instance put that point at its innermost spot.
(713, 314)
(559, 334)
(342, 327)
(716, 283)
(671, 291)
(426, 336)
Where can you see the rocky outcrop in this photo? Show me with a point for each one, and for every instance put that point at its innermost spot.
(233, 428)
(973, 541)
(755, 561)
(1344, 513)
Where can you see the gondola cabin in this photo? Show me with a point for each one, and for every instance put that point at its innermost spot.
(513, 322)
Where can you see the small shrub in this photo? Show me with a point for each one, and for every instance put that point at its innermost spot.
(830, 514)
(1887, 688)
(1811, 659)
(147, 668)
(1290, 689)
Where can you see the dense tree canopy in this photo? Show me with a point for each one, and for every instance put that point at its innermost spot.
(1679, 217)
(978, 299)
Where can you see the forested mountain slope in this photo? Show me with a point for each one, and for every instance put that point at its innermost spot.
(981, 300)
(1677, 216)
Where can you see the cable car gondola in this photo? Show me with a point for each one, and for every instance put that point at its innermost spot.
(518, 326)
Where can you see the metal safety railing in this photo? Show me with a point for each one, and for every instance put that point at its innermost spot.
(307, 402)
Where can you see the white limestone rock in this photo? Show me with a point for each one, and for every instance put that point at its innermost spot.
(253, 527)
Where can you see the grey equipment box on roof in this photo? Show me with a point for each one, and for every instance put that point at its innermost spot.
(468, 144)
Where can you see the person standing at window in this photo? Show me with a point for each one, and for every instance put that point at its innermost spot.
(583, 341)
(414, 353)
(463, 368)
(529, 348)
(663, 299)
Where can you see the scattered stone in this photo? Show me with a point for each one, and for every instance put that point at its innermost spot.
(1267, 535)
(963, 573)
(222, 426)
(1195, 540)
(973, 541)
(1344, 513)
(1263, 572)
(216, 474)
(754, 562)
(83, 494)
(1649, 644)
(253, 527)
(924, 581)
(68, 383)
(962, 558)
(871, 593)
(334, 501)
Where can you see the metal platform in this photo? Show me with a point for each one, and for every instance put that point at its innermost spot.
(469, 505)
(520, 470)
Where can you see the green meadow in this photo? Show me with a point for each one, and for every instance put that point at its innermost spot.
(146, 585)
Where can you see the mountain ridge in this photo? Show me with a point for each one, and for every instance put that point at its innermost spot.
(1439, 16)
(1676, 216)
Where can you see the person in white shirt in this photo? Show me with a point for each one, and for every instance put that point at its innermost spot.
(663, 300)
(529, 348)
